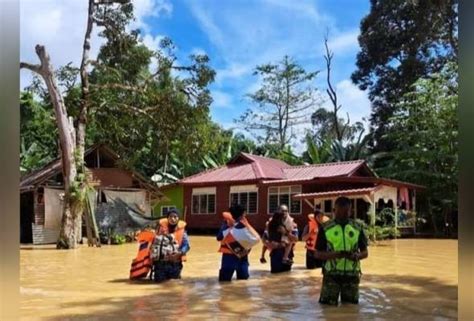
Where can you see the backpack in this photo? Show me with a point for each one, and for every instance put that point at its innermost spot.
(162, 246)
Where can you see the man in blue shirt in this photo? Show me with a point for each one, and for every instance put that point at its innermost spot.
(230, 262)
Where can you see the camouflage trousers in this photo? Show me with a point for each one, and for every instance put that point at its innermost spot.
(345, 286)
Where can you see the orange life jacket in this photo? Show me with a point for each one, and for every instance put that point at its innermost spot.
(312, 233)
(141, 265)
(313, 229)
(178, 231)
(228, 242)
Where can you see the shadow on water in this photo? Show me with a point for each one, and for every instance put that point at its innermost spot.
(287, 296)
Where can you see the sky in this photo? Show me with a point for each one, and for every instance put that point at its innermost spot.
(237, 35)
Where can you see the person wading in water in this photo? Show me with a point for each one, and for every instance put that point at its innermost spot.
(341, 243)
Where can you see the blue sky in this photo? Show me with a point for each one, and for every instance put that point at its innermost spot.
(237, 35)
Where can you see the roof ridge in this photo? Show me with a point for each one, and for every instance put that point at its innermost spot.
(361, 161)
(265, 157)
(202, 173)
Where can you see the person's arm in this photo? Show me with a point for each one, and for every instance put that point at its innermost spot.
(184, 248)
(322, 255)
(305, 235)
(220, 234)
(293, 235)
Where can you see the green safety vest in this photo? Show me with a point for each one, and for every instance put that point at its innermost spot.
(342, 240)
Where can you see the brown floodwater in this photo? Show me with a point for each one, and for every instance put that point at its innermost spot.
(402, 280)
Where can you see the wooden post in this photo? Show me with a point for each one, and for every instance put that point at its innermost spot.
(372, 215)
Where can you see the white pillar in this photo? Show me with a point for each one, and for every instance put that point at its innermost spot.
(372, 212)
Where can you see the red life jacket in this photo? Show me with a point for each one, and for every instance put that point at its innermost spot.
(141, 265)
(178, 231)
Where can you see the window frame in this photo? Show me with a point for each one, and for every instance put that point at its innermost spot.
(289, 193)
(243, 190)
(205, 191)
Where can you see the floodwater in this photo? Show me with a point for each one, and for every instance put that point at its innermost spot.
(403, 280)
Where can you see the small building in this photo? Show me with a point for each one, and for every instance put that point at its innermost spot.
(261, 184)
(41, 193)
(173, 200)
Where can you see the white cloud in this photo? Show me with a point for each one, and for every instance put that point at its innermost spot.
(233, 71)
(149, 8)
(353, 100)
(344, 42)
(221, 99)
(60, 26)
(152, 42)
(198, 51)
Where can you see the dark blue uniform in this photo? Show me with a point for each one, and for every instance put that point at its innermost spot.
(231, 263)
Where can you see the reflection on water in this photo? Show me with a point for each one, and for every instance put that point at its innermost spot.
(403, 279)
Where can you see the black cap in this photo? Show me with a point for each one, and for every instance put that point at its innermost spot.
(173, 210)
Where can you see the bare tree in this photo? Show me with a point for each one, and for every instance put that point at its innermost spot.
(68, 232)
(339, 129)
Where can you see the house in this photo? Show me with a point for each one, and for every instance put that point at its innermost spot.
(261, 184)
(41, 193)
(173, 199)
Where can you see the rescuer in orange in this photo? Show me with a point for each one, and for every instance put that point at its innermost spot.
(310, 235)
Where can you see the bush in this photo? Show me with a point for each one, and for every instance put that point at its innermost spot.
(118, 239)
(377, 233)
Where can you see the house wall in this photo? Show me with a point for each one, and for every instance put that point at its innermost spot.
(112, 177)
(214, 221)
(175, 196)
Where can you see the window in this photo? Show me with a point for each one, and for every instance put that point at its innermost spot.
(328, 206)
(166, 209)
(245, 195)
(204, 201)
(282, 196)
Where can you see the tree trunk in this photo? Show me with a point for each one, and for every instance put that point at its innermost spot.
(82, 118)
(67, 235)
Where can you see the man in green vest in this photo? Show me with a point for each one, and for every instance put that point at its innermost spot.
(341, 244)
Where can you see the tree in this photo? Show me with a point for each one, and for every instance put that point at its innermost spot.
(400, 42)
(38, 139)
(282, 103)
(425, 132)
(333, 138)
(68, 237)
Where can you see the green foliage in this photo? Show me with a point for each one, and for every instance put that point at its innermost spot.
(118, 239)
(400, 42)
(425, 134)
(381, 230)
(38, 130)
(284, 100)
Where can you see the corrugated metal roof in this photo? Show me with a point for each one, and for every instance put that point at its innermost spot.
(342, 192)
(246, 167)
(322, 170)
(225, 173)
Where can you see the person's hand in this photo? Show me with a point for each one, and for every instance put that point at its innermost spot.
(342, 255)
(175, 257)
(354, 256)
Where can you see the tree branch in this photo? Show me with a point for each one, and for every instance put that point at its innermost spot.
(34, 68)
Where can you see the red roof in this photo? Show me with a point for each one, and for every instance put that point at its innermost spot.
(248, 167)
